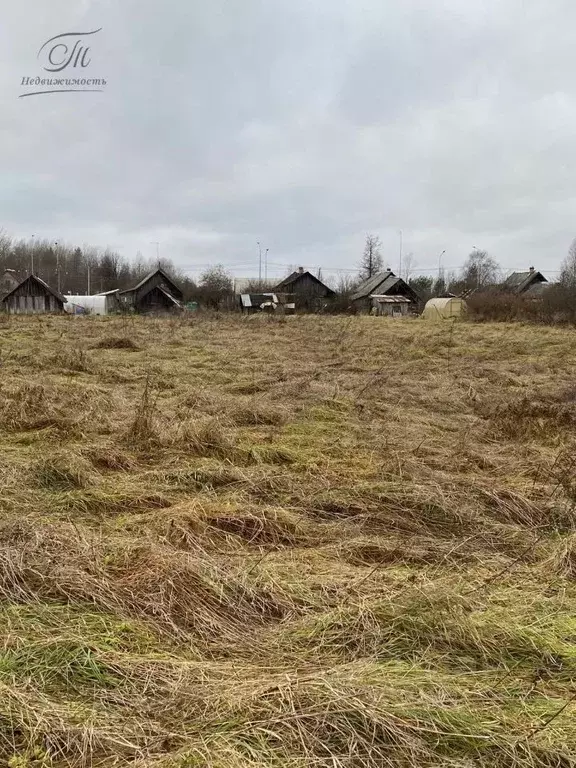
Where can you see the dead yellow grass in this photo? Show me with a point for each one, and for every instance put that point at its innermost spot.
(328, 542)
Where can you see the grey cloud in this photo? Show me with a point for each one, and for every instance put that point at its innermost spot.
(301, 125)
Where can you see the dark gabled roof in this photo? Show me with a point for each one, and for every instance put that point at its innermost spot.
(149, 276)
(381, 284)
(520, 281)
(298, 275)
(41, 283)
(382, 281)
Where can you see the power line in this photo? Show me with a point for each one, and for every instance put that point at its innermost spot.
(422, 270)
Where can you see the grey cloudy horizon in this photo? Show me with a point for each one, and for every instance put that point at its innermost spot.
(301, 125)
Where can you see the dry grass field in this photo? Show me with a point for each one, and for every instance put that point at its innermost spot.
(339, 542)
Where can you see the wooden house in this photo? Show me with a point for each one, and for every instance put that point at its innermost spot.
(32, 296)
(385, 294)
(309, 291)
(529, 284)
(156, 293)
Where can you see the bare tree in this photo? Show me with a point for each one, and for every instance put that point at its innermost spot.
(480, 271)
(409, 264)
(346, 285)
(260, 286)
(568, 269)
(216, 278)
(371, 262)
(215, 284)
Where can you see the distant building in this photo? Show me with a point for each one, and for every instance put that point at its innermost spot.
(32, 296)
(309, 291)
(155, 293)
(530, 283)
(385, 294)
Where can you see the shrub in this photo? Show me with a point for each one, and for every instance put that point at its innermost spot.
(557, 306)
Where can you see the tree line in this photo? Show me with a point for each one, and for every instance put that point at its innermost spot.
(80, 270)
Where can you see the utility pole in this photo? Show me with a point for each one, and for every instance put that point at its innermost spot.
(57, 267)
(259, 261)
(266, 264)
(32, 255)
(89, 280)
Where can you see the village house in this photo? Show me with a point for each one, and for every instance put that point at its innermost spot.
(304, 283)
(155, 293)
(32, 296)
(530, 284)
(308, 290)
(385, 294)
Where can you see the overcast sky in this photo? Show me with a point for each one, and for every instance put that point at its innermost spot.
(302, 124)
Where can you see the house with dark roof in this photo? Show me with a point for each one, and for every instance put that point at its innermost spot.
(385, 294)
(530, 283)
(309, 291)
(156, 292)
(32, 296)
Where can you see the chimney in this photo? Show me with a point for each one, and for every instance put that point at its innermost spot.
(300, 270)
(531, 270)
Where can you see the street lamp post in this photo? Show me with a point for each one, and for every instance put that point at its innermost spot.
(440, 262)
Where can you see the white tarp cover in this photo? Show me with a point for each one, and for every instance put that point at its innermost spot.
(90, 305)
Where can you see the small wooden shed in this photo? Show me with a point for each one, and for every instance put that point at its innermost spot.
(156, 293)
(444, 309)
(31, 297)
(251, 303)
(385, 294)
